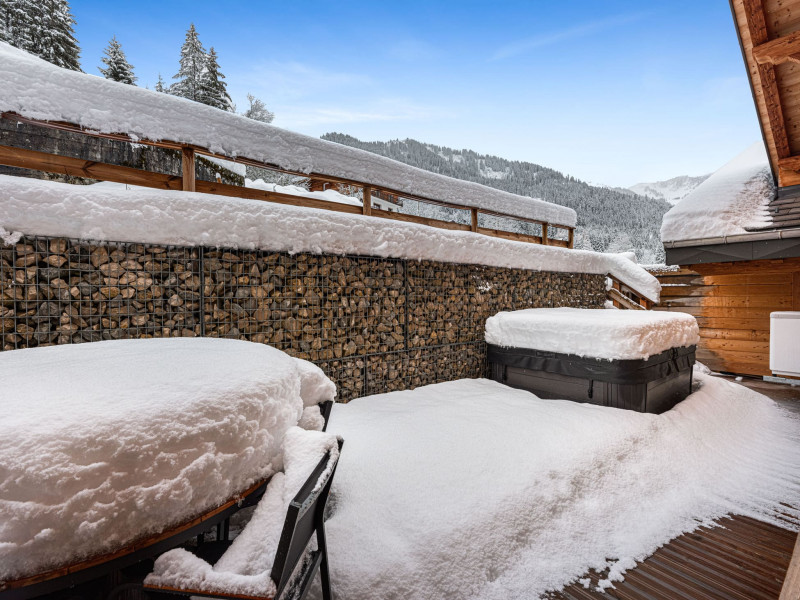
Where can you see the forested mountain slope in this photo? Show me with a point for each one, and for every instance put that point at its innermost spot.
(608, 220)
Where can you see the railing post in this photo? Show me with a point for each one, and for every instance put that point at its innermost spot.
(187, 168)
(367, 201)
(545, 240)
(474, 213)
(571, 237)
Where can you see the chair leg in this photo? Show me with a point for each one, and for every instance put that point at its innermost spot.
(324, 574)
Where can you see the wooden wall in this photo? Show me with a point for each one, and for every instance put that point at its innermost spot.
(732, 302)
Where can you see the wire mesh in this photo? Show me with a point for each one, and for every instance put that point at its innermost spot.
(373, 324)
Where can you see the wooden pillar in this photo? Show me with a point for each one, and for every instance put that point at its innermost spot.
(571, 237)
(367, 201)
(474, 213)
(545, 240)
(187, 168)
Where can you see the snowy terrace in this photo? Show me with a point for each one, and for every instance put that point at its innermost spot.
(460, 490)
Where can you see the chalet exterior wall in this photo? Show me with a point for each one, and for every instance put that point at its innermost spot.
(373, 324)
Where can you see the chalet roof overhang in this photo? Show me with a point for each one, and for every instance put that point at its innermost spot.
(769, 37)
(778, 239)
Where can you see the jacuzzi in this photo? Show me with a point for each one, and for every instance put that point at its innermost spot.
(629, 359)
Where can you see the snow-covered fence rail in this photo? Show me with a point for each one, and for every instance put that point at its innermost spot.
(553, 234)
(34, 91)
(374, 324)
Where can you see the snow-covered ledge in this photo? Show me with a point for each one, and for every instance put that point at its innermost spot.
(32, 207)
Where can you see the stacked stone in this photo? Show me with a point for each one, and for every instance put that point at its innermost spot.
(373, 324)
(313, 306)
(56, 292)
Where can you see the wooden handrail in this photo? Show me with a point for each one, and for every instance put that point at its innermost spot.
(624, 296)
(56, 164)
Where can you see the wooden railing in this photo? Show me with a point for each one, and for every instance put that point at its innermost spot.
(51, 163)
(623, 296)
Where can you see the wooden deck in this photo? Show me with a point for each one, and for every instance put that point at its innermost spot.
(744, 559)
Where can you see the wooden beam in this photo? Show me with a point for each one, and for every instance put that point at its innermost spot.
(77, 167)
(780, 50)
(187, 169)
(571, 240)
(474, 219)
(757, 25)
(367, 200)
(790, 163)
(544, 235)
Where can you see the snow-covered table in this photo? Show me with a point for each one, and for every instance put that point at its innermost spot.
(109, 447)
(633, 359)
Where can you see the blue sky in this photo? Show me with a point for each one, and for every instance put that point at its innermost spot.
(609, 91)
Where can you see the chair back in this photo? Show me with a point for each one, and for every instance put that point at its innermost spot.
(304, 517)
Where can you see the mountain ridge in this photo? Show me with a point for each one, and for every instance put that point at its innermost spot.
(609, 220)
(672, 190)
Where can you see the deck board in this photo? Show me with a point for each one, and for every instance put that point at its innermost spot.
(743, 559)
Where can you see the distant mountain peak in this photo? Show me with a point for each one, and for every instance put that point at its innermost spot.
(672, 190)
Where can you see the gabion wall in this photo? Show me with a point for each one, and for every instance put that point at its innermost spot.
(373, 324)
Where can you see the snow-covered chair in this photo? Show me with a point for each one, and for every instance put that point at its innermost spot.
(295, 563)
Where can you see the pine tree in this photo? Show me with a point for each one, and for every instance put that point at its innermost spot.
(258, 110)
(160, 84)
(193, 65)
(213, 89)
(117, 66)
(20, 23)
(57, 43)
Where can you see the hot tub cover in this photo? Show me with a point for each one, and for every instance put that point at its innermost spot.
(596, 333)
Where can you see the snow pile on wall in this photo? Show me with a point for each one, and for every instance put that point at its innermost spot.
(611, 334)
(470, 489)
(245, 567)
(108, 442)
(36, 89)
(170, 217)
(733, 198)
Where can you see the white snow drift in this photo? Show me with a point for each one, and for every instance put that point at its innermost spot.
(34, 88)
(470, 489)
(734, 197)
(611, 334)
(111, 213)
(104, 443)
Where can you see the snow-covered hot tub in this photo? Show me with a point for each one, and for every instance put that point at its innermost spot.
(632, 359)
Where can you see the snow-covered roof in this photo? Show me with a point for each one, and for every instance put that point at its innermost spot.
(36, 89)
(93, 212)
(734, 198)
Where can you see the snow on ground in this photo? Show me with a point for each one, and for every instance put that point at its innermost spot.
(108, 442)
(734, 197)
(34, 88)
(615, 334)
(111, 213)
(245, 567)
(470, 489)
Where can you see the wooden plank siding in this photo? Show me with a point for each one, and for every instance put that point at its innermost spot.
(732, 303)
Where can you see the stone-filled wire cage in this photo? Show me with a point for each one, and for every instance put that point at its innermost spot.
(373, 324)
